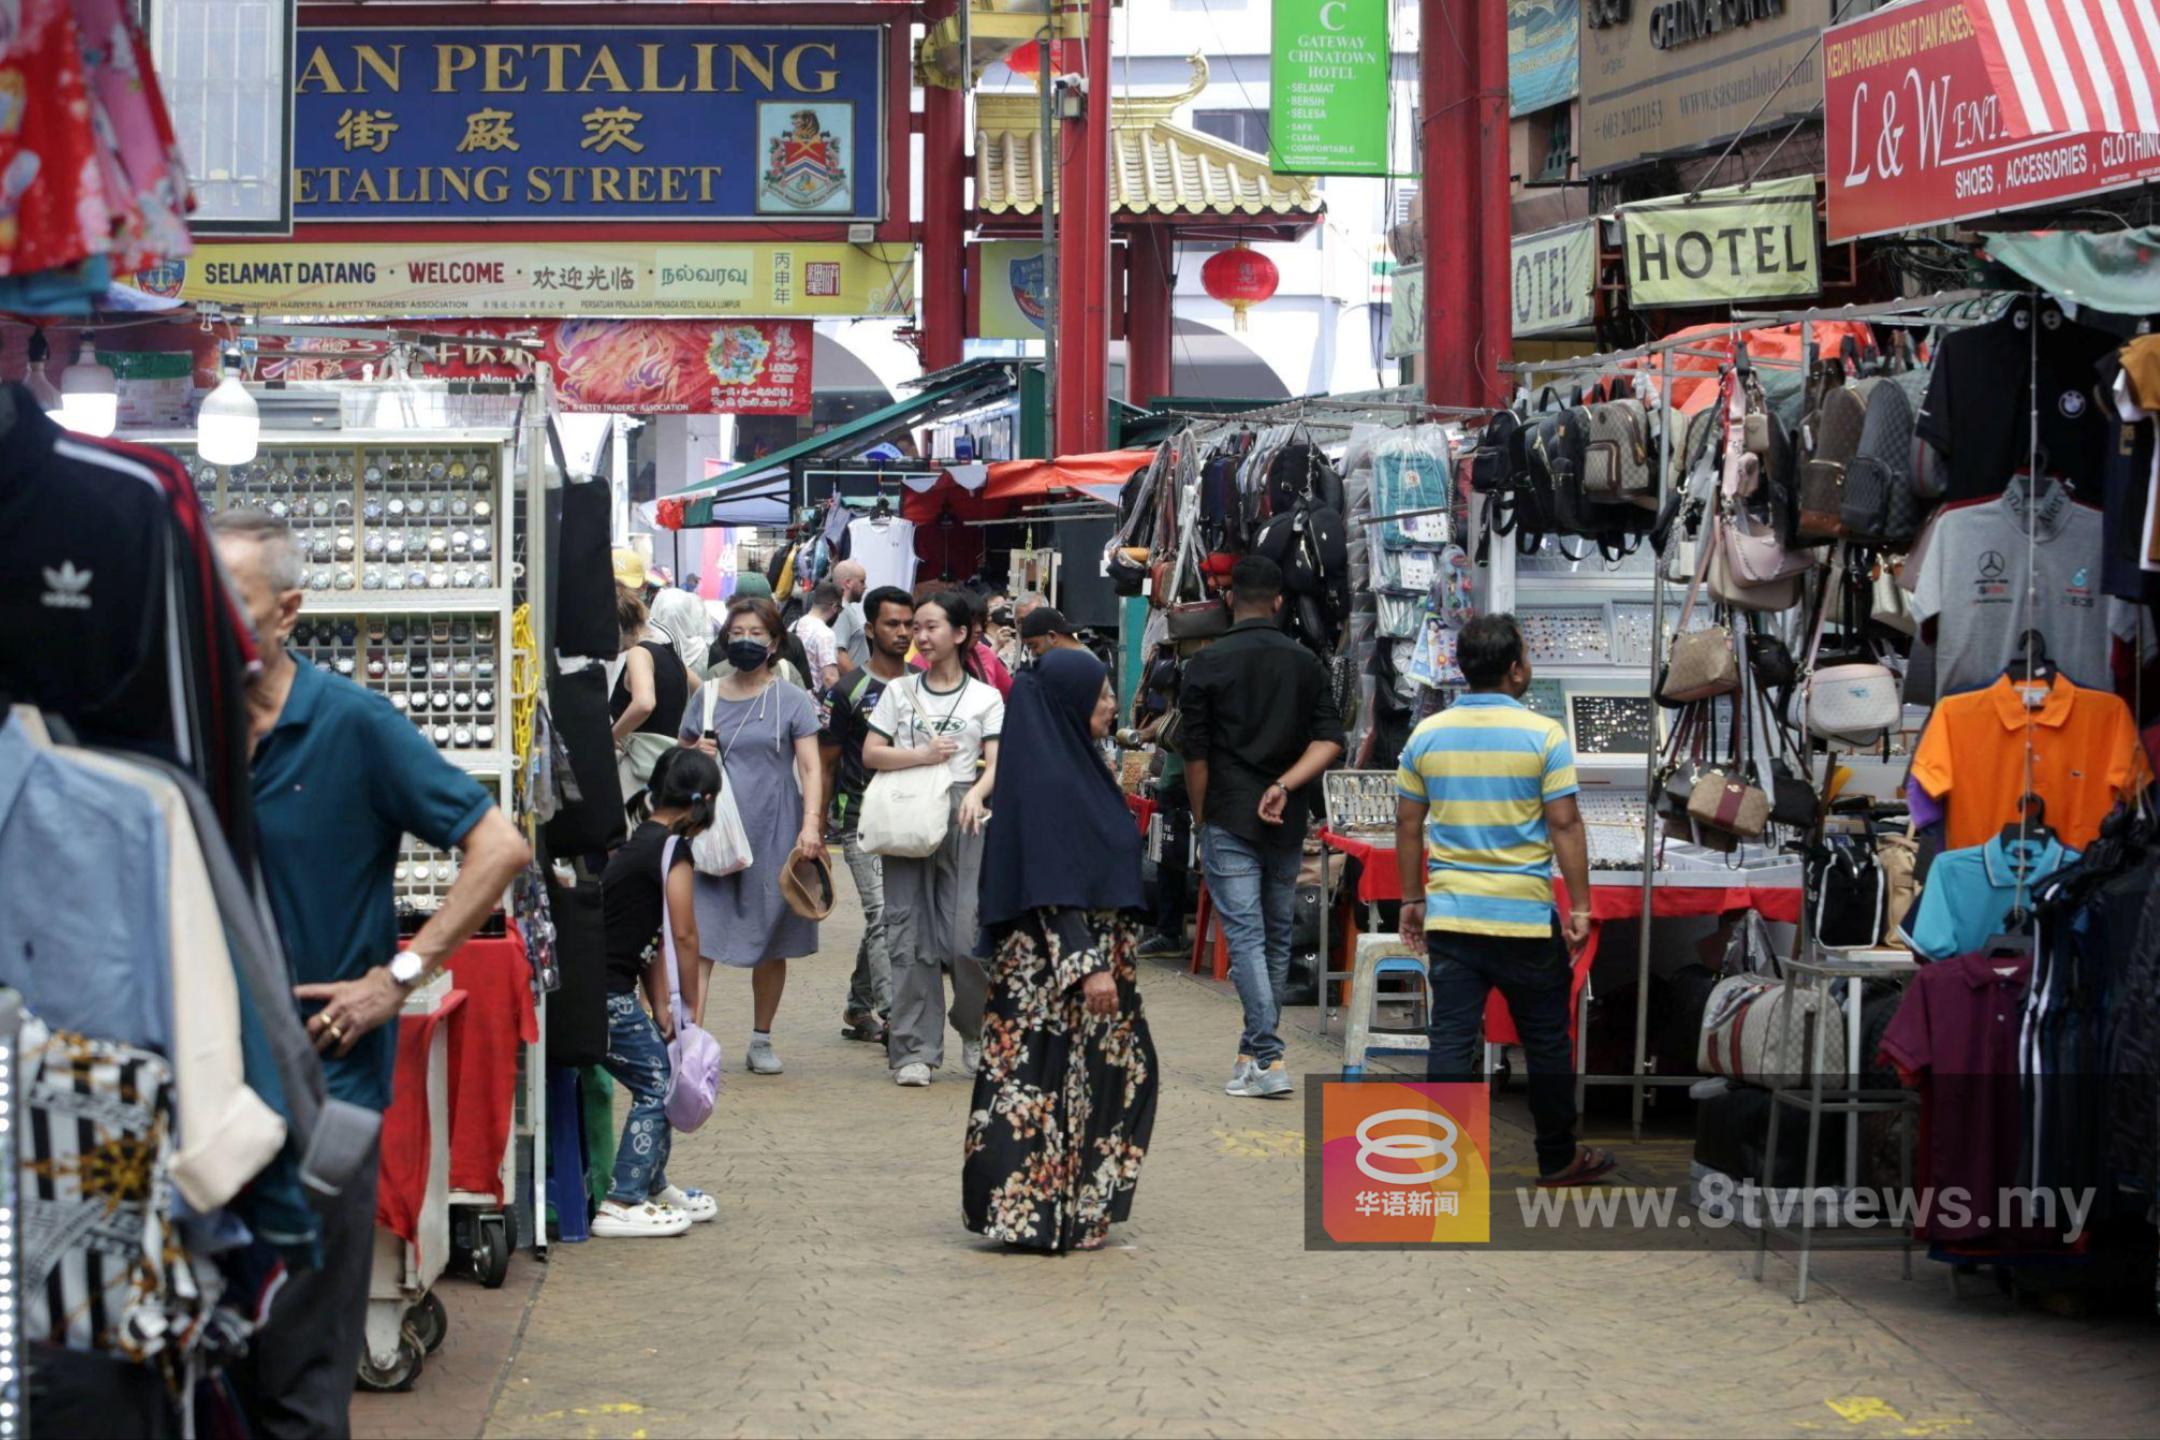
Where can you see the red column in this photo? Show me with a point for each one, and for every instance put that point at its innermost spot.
(1083, 335)
(1466, 223)
(944, 229)
(1147, 312)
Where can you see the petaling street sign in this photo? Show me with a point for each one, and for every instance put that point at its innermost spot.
(590, 123)
(1917, 134)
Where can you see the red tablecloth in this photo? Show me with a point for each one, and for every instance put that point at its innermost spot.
(1620, 899)
(1143, 810)
(407, 1137)
(483, 1058)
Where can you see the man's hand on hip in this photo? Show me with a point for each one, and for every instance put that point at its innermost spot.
(350, 1009)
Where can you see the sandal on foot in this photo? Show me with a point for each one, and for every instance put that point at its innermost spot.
(1589, 1166)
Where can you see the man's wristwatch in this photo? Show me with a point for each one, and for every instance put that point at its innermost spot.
(406, 969)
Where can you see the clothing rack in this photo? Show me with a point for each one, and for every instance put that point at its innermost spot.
(1501, 570)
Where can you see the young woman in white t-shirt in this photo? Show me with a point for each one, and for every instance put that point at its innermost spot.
(942, 716)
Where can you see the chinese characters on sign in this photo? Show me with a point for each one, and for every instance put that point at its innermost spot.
(1400, 1164)
(584, 123)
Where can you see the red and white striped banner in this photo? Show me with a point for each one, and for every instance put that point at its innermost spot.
(2072, 67)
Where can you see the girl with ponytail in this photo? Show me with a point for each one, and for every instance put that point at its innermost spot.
(649, 882)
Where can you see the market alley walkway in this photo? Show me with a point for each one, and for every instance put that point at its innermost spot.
(838, 1294)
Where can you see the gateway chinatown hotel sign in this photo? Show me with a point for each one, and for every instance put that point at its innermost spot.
(590, 123)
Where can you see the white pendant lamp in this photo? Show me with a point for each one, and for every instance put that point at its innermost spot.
(228, 428)
(40, 386)
(89, 394)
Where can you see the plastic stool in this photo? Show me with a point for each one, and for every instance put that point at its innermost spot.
(1207, 930)
(1379, 955)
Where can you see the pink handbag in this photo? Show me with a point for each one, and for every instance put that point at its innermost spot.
(694, 1059)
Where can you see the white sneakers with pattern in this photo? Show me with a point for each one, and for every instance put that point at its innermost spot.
(914, 1075)
(698, 1205)
(763, 1059)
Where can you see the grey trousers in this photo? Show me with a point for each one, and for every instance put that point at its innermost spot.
(297, 1379)
(870, 990)
(930, 927)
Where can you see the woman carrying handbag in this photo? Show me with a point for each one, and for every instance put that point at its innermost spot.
(945, 718)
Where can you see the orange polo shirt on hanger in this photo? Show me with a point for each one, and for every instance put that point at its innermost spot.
(2086, 758)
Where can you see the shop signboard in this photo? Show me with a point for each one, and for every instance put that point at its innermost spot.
(1740, 243)
(1544, 53)
(1015, 299)
(545, 280)
(1664, 77)
(1328, 87)
(1555, 278)
(642, 367)
(1916, 135)
(602, 123)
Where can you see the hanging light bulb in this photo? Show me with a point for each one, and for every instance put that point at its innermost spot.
(228, 428)
(89, 394)
(41, 388)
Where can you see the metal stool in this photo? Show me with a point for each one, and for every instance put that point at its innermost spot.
(1379, 955)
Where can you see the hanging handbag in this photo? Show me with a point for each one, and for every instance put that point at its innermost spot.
(1198, 619)
(906, 812)
(1701, 665)
(1847, 884)
(1898, 857)
(1852, 703)
(694, 1058)
(1793, 801)
(1834, 440)
(1887, 605)
(1722, 797)
(1616, 455)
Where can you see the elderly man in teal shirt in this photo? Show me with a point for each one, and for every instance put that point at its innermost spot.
(340, 778)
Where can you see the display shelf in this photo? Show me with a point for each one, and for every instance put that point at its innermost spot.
(406, 602)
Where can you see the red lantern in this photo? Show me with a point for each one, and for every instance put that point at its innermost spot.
(1027, 60)
(1240, 277)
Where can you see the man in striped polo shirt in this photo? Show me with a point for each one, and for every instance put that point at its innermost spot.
(1486, 803)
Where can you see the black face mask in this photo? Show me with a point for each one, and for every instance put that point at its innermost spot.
(747, 654)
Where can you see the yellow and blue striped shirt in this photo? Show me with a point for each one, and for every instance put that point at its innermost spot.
(1487, 766)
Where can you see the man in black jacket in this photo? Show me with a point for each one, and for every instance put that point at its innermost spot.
(1260, 725)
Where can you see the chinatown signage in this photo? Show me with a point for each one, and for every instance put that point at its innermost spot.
(605, 123)
(1740, 243)
(641, 367)
(544, 280)
(1915, 134)
(1664, 77)
(1328, 88)
(1553, 288)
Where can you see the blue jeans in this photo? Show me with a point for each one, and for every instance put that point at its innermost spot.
(1254, 890)
(1537, 980)
(638, 1060)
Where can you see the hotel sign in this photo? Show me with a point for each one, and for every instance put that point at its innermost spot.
(590, 123)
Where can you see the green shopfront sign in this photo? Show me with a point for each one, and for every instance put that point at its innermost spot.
(1328, 106)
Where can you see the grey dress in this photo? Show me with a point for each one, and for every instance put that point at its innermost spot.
(741, 918)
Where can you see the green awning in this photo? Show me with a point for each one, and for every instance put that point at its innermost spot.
(960, 387)
(2118, 272)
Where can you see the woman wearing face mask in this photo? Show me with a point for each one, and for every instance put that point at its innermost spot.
(764, 733)
(943, 716)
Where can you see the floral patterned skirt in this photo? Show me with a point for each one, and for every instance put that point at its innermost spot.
(1065, 1101)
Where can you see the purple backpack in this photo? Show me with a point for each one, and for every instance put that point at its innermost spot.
(693, 1055)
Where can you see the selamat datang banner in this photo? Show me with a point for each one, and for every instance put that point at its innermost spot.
(1916, 134)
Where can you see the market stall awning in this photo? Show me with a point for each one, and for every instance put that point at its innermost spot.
(1158, 168)
(2071, 66)
(2118, 272)
(962, 386)
(1099, 476)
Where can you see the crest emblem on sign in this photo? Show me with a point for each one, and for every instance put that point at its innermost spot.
(804, 164)
(1028, 292)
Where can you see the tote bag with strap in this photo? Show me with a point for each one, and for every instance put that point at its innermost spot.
(694, 1058)
(723, 847)
(906, 812)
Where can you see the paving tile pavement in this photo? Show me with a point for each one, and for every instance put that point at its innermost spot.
(839, 1295)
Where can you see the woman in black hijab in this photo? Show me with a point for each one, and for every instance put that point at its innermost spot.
(1065, 1099)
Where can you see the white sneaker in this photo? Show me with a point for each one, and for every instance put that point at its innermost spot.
(763, 1059)
(698, 1205)
(970, 1056)
(914, 1075)
(633, 1222)
(1268, 1082)
(1240, 1074)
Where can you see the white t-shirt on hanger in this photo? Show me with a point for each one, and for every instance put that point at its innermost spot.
(885, 549)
